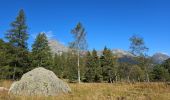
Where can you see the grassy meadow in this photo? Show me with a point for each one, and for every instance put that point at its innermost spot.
(103, 91)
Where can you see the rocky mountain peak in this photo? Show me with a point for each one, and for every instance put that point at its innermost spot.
(159, 57)
(57, 47)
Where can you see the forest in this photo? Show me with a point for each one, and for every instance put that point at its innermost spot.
(78, 64)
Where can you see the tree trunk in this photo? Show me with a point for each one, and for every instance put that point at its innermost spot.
(14, 72)
(78, 66)
(138, 79)
(115, 77)
(128, 79)
(147, 76)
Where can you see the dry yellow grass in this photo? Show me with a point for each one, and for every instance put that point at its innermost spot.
(103, 91)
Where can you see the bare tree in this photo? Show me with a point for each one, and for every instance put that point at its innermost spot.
(139, 49)
(79, 43)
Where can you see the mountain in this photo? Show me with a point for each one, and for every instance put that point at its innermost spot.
(118, 52)
(56, 47)
(124, 56)
(159, 58)
(121, 53)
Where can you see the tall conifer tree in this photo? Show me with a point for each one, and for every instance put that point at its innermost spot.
(18, 36)
(41, 52)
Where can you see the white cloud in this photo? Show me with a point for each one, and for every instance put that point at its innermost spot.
(49, 34)
(62, 42)
(164, 53)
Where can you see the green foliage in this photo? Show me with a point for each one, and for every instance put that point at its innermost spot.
(89, 74)
(59, 65)
(13, 61)
(160, 74)
(139, 49)
(137, 46)
(166, 65)
(41, 52)
(79, 35)
(6, 72)
(79, 44)
(97, 67)
(72, 67)
(124, 71)
(136, 73)
(107, 65)
(18, 35)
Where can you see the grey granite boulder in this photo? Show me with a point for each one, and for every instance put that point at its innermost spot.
(39, 81)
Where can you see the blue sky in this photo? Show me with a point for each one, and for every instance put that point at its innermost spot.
(108, 22)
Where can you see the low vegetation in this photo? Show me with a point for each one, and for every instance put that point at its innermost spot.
(103, 91)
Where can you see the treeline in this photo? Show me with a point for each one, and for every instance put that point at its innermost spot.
(77, 64)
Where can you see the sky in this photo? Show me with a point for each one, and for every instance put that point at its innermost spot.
(107, 22)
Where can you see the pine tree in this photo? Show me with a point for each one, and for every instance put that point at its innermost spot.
(5, 58)
(71, 69)
(17, 36)
(166, 65)
(90, 68)
(108, 65)
(159, 73)
(97, 68)
(59, 65)
(41, 52)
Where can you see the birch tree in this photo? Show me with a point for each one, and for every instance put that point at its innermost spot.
(79, 44)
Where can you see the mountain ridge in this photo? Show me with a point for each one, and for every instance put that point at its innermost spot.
(58, 48)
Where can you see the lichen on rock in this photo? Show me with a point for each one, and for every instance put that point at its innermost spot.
(39, 81)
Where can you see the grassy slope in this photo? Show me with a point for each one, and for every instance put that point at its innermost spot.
(103, 91)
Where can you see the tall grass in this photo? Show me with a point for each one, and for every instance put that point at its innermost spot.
(103, 91)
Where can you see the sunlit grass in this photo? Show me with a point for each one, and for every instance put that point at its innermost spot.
(103, 91)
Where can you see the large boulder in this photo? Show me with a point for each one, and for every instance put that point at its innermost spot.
(39, 81)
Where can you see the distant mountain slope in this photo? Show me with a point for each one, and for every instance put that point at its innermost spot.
(56, 47)
(159, 58)
(124, 56)
(118, 52)
(121, 53)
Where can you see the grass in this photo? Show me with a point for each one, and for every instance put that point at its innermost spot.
(103, 91)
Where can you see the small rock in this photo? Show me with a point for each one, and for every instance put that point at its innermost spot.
(3, 89)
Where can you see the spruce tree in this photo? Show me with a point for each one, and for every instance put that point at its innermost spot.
(90, 68)
(5, 58)
(59, 65)
(97, 68)
(108, 65)
(166, 65)
(159, 73)
(17, 36)
(41, 52)
(71, 69)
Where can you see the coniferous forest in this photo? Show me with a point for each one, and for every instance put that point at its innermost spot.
(78, 64)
